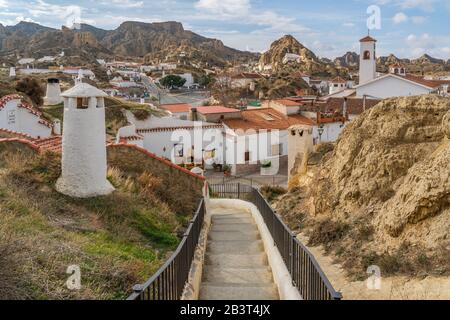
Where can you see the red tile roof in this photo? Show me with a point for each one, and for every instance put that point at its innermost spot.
(368, 39)
(215, 109)
(422, 81)
(177, 108)
(338, 80)
(53, 144)
(269, 119)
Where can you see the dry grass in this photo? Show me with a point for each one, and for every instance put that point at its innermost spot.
(117, 240)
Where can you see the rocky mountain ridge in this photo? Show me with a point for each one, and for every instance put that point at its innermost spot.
(130, 39)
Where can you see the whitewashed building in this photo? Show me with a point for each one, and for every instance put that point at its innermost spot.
(19, 116)
(397, 83)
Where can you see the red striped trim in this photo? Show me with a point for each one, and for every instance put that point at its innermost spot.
(23, 141)
(154, 156)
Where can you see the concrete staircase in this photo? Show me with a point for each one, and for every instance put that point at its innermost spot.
(236, 266)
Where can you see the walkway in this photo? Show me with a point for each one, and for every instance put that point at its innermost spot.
(236, 266)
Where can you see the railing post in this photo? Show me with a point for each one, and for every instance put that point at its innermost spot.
(138, 289)
(239, 190)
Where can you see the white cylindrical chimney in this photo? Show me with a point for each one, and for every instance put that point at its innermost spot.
(57, 127)
(84, 164)
(53, 96)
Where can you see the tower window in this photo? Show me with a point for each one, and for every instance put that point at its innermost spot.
(82, 103)
(367, 55)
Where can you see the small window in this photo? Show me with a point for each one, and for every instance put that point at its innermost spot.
(277, 150)
(367, 55)
(247, 156)
(179, 150)
(82, 103)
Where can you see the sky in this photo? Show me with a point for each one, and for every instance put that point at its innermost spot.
(407, 28)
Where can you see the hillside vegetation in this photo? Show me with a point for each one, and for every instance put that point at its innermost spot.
(117, 240)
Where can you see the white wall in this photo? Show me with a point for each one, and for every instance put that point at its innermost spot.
(330, 134)
(391, 87)
(21, 120)
(163, 142)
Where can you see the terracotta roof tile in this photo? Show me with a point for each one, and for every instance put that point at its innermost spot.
(422, 81)
(215, 109)
(176, 108)
(269, 119)
(368, 39)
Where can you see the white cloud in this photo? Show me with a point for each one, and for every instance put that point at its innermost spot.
(227, 8)
(3, 4)
(125, 3)
(400, 18)
(417, 45)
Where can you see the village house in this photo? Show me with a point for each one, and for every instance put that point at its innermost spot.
(396, 83)
(178, 110)
(214, 114)
(264, 128)
(18, 115)
(174, 139)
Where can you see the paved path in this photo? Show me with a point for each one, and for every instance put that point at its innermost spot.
(236, 266)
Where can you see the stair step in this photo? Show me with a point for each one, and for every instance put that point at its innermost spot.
(235, 247)
(223, 291)
(246, 227)
(233, 221)
(237, 275)
(234, 235)
(230, 216)
(236, 260)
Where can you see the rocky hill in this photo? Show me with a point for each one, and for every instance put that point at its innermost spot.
(130, 39)
(381, 195)
(348, 60)
(309, 62)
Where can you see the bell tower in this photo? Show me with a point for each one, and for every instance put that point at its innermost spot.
(84, 166)
(367, 60)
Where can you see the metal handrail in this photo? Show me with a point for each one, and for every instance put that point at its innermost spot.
(307, 275)
(169, 281)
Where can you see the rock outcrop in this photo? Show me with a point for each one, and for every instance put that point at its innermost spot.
(389, 175)
(289, 45)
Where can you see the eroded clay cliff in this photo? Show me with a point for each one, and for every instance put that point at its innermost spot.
(382, 196)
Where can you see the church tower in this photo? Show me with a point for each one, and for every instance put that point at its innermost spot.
(84, 166)
(367, 60)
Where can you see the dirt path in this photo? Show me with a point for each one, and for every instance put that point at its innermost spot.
(392, 288)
